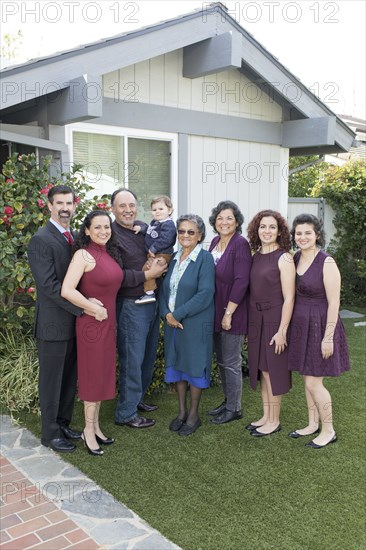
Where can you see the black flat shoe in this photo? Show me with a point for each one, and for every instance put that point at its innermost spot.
(187, 429)
(218, 410)
(255, 433)
(93, 452)
(227, 416)
(251, 427)
(60, 445)
(177, 423)
(106, 441)
(296, 435)
(313, 445)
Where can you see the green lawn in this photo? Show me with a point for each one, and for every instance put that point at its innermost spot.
(223, 489)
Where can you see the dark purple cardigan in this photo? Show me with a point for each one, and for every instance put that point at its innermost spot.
(232, 274)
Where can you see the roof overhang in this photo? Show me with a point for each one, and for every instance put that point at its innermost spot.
(212, 42)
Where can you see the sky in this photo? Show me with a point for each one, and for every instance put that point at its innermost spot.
(321, 42)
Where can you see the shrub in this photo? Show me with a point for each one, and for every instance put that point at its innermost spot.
(23, 209)
(344, 187)
(18, 372)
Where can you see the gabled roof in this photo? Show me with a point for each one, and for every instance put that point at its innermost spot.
(212, 41)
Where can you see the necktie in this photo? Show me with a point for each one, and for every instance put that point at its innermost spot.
(68, 237)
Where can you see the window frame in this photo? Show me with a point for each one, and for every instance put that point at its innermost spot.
(126, 133)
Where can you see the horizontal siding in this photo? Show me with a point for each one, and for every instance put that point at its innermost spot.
(159, 81)
(250, 174)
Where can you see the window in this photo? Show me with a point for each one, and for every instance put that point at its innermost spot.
(118, 157)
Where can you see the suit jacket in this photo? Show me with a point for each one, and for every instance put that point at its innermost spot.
(49, 255)
(232, 276)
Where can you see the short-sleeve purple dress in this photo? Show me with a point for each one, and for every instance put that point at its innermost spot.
(308, 326)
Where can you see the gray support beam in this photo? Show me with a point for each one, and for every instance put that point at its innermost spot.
(182, 174)
(216, 54)
(312, 132)
(185, 121)
(82, 100)
(34, 142)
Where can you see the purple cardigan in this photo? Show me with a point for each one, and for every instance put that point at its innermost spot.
(232, 274)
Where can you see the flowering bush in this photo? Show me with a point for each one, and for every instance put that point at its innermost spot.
(23, 209)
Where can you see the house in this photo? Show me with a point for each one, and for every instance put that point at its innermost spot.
(193, 107)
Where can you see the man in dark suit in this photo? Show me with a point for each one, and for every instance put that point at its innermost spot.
(49, 254)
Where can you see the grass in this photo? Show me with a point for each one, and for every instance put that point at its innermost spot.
(223, 489)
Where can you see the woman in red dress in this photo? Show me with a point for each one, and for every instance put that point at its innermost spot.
(95, 272)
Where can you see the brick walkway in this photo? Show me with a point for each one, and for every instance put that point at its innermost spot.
(31, 520)
(48, 503)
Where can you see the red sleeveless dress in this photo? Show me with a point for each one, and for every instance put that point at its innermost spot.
(96, 341)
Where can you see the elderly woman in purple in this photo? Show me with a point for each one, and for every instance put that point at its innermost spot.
(233, 262)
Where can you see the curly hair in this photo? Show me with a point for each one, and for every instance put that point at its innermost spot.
(83, 240)
(310, 220)
(227, 205)
(283, 238)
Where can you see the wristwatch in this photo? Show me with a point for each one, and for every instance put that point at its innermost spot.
(227, 312)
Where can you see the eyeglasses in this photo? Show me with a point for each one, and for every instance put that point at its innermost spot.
(188, 231)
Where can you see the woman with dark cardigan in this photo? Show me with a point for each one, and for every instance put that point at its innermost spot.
(272, 292)
(233, 261)
(186, 302)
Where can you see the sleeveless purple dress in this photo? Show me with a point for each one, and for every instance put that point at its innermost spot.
(265, 311)
(308, 326)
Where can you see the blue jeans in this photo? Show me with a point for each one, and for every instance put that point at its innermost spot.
(137, 343)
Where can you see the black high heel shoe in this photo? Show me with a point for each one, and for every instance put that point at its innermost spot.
(106, 441)
(94, 452)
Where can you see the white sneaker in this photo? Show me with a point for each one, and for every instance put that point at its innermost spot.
(146, 299)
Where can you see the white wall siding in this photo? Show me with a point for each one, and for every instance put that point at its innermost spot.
(250, 174)
(159, 81)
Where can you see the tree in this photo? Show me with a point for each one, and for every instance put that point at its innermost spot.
(344, 188)
(304, 173)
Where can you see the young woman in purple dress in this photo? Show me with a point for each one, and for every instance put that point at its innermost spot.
(271, 301)
(317, 344)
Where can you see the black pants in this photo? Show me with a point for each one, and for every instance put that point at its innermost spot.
(56, 385)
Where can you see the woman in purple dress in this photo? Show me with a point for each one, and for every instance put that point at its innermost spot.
(317, 344)
(233, 260)
(271, 301)
(95, 272)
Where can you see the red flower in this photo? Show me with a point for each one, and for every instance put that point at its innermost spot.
(103, 206)
(9, 180)
(77, 200)
(8, 211)
(20, 290)
(30, 290)
(45, 190)
(41, 203)
(6, 220)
